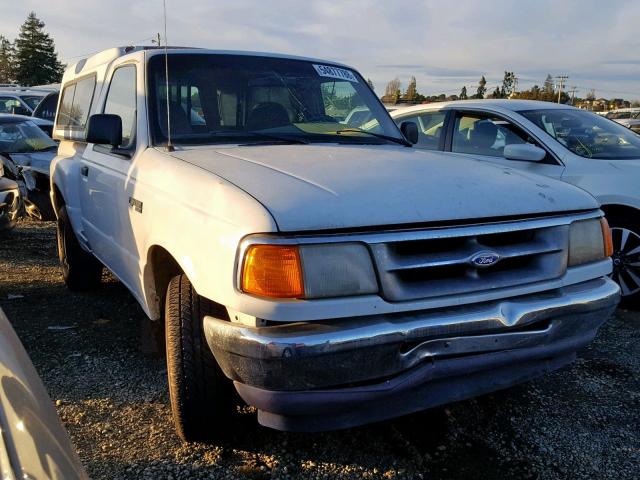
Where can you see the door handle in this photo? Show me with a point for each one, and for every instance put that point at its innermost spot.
(84, 171)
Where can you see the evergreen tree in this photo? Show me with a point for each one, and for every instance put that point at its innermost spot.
(482, 88)
(412, 91)
(463, 93)
(548, 84)
(7, 53)
(508, 84)
(496, 93)
(36, 59)
(370, 82)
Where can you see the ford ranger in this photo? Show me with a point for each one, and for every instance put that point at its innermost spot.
(305, 256)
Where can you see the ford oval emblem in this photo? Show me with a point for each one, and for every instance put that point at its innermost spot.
(485, 259)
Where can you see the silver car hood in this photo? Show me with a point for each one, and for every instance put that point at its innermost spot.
(328, 186)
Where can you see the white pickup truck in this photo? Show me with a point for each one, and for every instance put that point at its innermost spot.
(328, 271)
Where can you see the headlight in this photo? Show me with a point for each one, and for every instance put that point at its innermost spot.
(308, 271)
(589, 241)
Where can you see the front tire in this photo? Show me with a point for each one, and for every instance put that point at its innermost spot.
(625, 233)
(201, 396)
(81, 271)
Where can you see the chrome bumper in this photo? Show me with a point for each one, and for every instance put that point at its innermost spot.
(336, 353)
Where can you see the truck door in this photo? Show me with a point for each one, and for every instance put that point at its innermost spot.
(108, 183)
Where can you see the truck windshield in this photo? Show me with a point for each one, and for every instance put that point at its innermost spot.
(587, 134)
(222, 98)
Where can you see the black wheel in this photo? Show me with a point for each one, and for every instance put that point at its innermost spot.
(81, 270)
(625, 234)
(202, 399)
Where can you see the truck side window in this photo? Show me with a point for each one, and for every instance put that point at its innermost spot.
(121, 101)
(75, 106)
(430, 127)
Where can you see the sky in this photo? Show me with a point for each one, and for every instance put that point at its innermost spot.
(444, 44)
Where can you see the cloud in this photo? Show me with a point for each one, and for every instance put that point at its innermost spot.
(443, 47)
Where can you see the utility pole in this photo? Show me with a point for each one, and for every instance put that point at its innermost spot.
(561, 80)
(573, 91)
(156, 40)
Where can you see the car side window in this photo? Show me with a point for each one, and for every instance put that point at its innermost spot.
(121, 101)
(481, 134)
(7, 104)
(430, 128)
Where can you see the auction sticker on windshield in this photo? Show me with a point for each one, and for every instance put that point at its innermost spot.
(335, 72)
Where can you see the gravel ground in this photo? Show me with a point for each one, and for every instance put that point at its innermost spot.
(580, 422)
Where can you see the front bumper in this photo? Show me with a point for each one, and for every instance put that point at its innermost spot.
(333, 374)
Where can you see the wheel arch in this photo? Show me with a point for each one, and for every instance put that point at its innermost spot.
(160, 268)
(616, 209)
(57, 198)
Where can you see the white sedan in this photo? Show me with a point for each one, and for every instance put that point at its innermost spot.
(577, 146)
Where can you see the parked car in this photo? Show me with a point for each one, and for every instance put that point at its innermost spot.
(337, 275)
(46, 109)
(633, 122)
(26, 153)
(559, 141)
(21, 100)
(9, 201)
(34, 444)
(621, 113)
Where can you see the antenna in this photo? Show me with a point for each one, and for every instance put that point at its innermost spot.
(166, 77)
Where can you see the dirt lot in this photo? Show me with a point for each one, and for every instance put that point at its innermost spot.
(581, 422)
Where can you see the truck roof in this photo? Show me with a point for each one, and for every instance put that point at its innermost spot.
(111, 54)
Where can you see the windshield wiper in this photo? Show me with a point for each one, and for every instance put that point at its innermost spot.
(401, 141)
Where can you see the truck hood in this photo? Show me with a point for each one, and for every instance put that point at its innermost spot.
(328, 186)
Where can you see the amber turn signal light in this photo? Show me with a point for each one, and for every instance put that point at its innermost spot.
(606, 237)
(273, 271)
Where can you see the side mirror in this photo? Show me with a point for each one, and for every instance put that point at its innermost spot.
(410, 131)
(105, 129)
(524, 152)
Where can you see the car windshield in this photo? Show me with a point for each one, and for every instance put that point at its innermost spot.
(23, 137)
(216, 98)
(31, 100)
(587, 134)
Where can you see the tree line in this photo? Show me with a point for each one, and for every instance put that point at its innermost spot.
(548, 92)
(31, 59)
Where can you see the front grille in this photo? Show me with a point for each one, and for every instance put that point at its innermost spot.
(438, 262)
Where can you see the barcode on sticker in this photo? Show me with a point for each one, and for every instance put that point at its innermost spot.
(335, 72)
